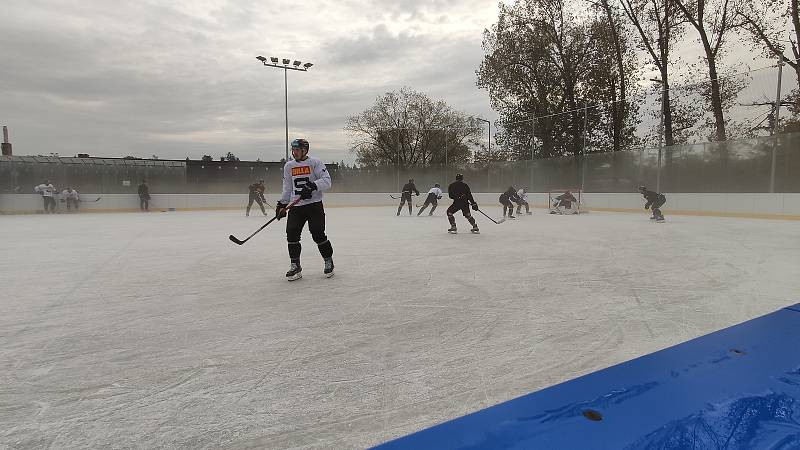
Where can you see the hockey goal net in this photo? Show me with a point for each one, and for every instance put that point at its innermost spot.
(564, 204)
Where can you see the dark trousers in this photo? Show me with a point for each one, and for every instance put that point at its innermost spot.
(507, 205)
(519, 207)
(144, 202)
(49, 204)
(430, 200)
(257, 199)
(656, 208)
(72, 202)
(406, 197)
(314, 214)
(464, 208)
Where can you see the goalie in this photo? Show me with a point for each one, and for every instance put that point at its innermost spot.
(564, 201)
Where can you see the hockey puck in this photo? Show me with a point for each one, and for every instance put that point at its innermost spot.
(592, 415)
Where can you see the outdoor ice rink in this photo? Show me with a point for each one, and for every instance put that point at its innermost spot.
(153, 330)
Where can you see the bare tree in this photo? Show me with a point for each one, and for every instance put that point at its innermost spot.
(408, 128)
(658, 23)
(713, 20)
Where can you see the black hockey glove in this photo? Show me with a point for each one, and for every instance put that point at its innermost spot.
(474, 206)
(280, 210)
(305, 193)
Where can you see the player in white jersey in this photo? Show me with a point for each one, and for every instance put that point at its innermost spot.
(523, 196)
(71, 198)
(305, 177)
(47, 191)
(434, 195)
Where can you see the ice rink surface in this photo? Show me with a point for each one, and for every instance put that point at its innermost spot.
(153, 330)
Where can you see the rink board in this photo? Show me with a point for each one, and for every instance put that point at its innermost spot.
(735, 388)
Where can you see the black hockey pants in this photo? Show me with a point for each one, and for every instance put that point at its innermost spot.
(464, 208)
(314, 214)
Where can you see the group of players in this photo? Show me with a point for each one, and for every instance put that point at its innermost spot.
(305, 177)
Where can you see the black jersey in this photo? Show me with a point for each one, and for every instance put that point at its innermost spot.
(510, 194)
(653, 197)
(459, 192)
(408, 188)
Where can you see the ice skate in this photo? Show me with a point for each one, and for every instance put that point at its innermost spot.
(328, 272)
(529, 213)
(475, 230)
(452, 230)
(295, 272)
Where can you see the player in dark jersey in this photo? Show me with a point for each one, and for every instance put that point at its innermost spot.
(654, 203)
(405, 195)
(506, 198)
(256, 195)
(462, 199)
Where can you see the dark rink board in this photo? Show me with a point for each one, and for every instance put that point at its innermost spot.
(738, 388)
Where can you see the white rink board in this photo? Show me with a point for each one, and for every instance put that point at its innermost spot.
(153, 330)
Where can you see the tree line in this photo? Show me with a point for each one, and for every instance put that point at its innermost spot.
(578, 65)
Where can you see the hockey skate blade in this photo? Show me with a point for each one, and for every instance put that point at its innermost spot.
(295, 277)
(452, 232)
(328, 275)
(501, 220)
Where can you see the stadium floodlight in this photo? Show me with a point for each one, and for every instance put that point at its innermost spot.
(286, 67)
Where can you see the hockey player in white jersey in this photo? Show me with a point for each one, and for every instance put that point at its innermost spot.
(522, 193)
(305, 177)
(434, 195)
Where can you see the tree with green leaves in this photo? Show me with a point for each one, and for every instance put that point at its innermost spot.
(410, 129)
(546, 61)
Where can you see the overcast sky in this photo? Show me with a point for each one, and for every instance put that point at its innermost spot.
(180, 78)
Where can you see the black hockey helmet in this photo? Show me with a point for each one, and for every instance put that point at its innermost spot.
(642, 188)
(459, 176)
(436, 185)
(410, 180)
(302, 144)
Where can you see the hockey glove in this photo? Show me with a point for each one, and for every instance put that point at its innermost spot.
(280, 210)
(474, 206)
(305, 193)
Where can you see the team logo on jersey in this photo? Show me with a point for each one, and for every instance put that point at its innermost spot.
(301, 170)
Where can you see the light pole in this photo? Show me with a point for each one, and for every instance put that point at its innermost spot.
(488, 155)
(285, 67)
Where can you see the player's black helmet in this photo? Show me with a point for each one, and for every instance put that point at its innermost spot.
(302, 144)
(459, 176)
(642, 188)
(436, 185)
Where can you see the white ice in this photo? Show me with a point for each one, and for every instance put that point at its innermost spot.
(153, 330)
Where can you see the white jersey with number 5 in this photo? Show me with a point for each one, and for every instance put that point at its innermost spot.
(297, 174)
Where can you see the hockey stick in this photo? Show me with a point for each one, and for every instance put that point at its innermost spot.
(390, 195)
(237, 241)
(487, 216)
(92, 201)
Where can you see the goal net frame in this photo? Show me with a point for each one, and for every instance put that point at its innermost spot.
(578, 207)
